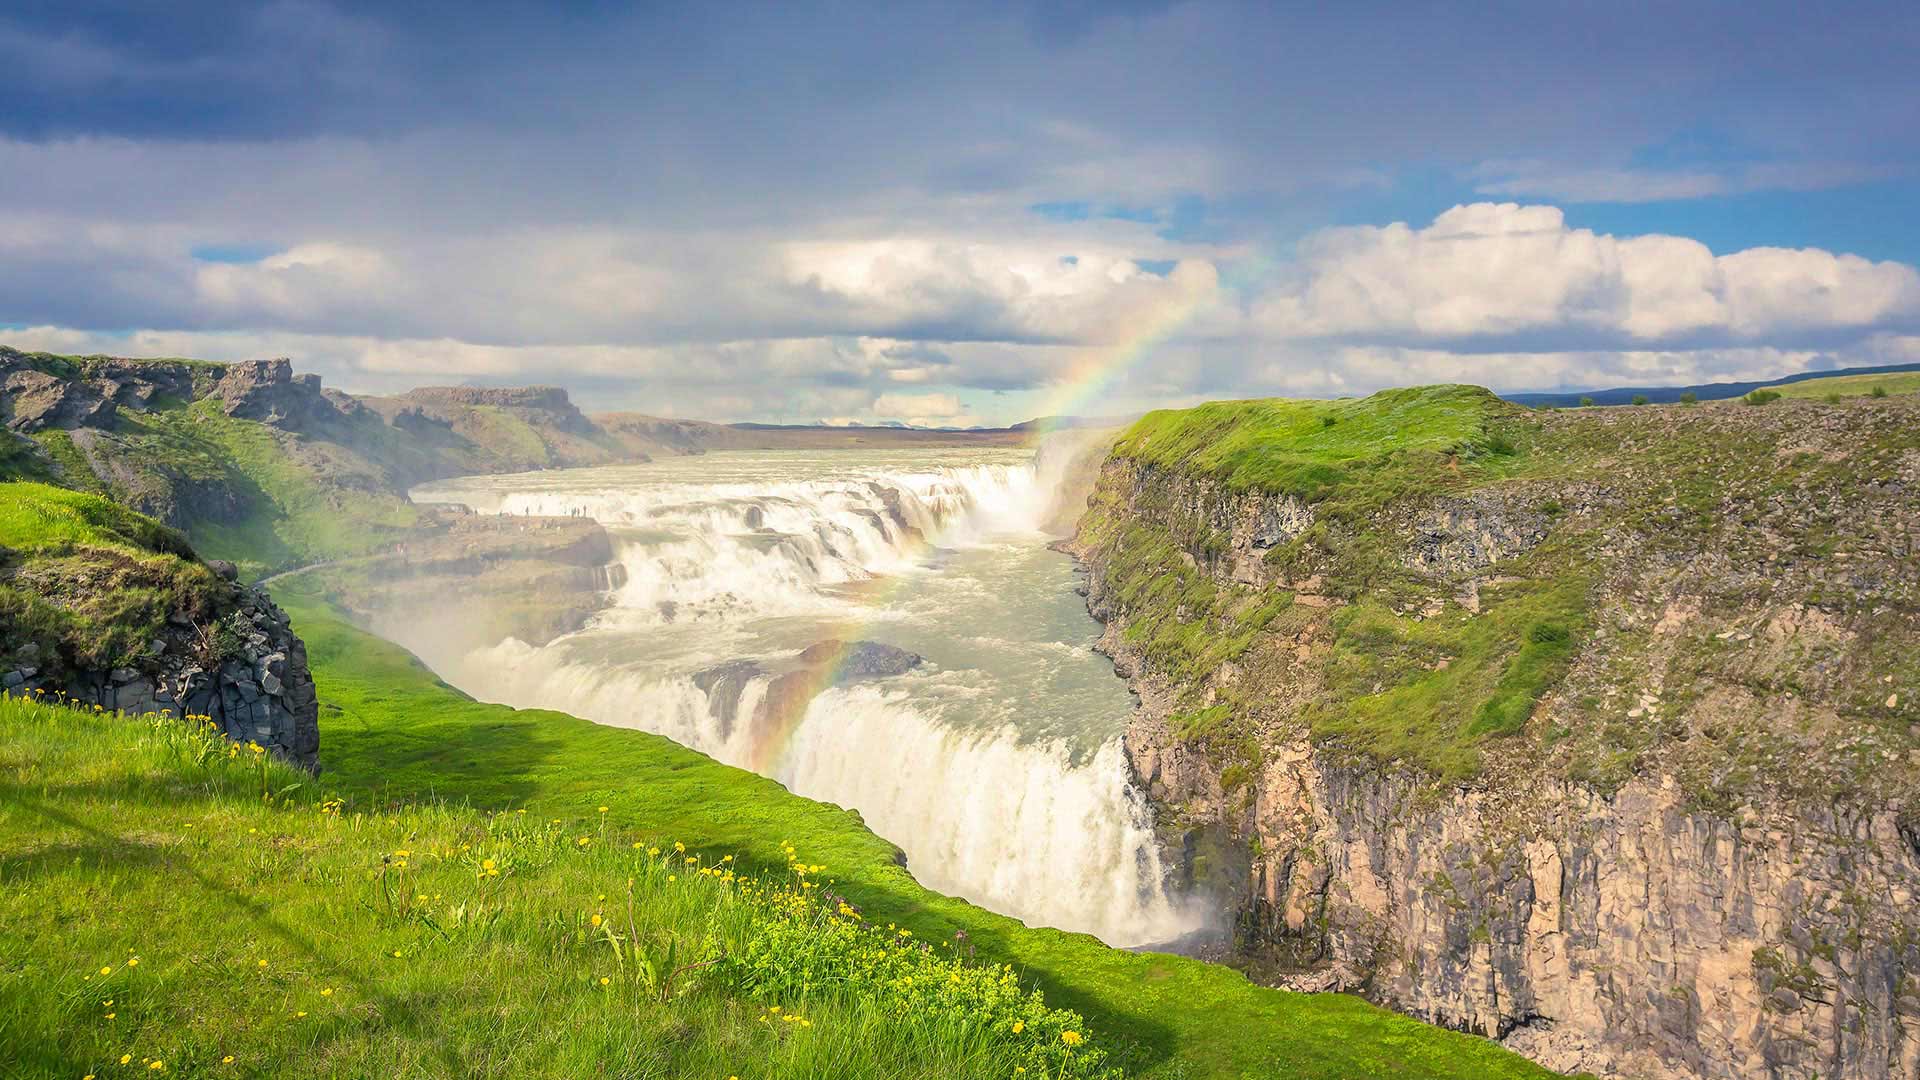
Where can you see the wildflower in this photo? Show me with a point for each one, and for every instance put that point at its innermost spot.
(651, 851)
(396, 954)
(124, 1058)
(299, 1015)
(326, 992)
(486, 864)
(228, 1060)
(1071, 1038)
(157, 1065)
(679, 847)
(112, 1015)
(637, 845)
(671, 879)
(604, 980)
(584, 841)
(596, 919)
(603, 809)
(106, 971)
(1019, 1026)
(263, 963)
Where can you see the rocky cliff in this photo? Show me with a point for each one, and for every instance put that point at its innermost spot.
(101, 606)
(1592, 732)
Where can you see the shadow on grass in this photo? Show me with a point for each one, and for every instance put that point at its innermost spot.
(413, 1013)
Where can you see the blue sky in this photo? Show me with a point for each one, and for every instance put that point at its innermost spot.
(939, 213)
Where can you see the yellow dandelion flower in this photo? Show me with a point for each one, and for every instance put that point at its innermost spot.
(603, 809)
(604, 980)
(1071, 1038)
(112, 1015)
(596, 919)
(486, 864)
(396, 953)
(637, 845)
(133, 961)
(1019, 1026)
(584, 841)
(679, 847)
(228, 1060)
(157, 1065)
(671, 879)
(124, 1058)
(327, 992)
(299, 1015)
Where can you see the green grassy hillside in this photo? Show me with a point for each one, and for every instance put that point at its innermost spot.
(1893, 382)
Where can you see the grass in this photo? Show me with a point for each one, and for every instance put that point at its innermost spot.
(313, 499)
(1893, 382)
(180, 906)
(86, 583)
(1435, 691)
(392, 732)
(122, 838)
(1314, 450)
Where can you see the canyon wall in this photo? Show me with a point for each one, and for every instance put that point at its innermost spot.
(1694, 854)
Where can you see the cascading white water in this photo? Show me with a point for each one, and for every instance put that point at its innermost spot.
(996, 765)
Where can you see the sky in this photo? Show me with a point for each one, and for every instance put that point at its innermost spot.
(960, 214)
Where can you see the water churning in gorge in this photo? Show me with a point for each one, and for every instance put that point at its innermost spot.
(995, 763)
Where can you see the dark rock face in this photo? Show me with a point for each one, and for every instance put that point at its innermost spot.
(269, 391)
(247, 673)
(32, 401)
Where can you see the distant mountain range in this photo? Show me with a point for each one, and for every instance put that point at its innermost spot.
(1703, 391)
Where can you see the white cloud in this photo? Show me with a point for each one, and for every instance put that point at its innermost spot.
(1487, 272)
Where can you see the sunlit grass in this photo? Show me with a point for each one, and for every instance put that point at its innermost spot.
(178, 904)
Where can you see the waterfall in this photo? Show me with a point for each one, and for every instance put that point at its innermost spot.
(999, 791)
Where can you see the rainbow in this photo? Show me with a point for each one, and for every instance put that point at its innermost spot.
(1091, 374)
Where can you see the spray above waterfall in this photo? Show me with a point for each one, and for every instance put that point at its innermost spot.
(890, 633)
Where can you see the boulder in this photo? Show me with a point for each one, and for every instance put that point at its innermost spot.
(860, 659)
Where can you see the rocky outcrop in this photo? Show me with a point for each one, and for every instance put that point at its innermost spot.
(269, 392)
(549, 405)
(790, 685)
(244, 670)
(1734, 903)
(32, 401)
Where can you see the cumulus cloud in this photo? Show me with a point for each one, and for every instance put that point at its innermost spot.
(1489, 273)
